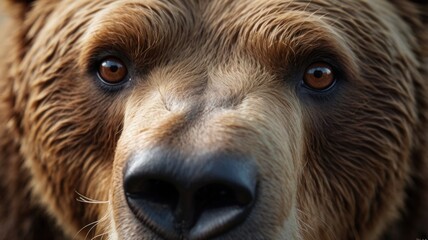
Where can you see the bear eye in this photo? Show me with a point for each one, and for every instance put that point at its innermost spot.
(112, 71)
(319, 76)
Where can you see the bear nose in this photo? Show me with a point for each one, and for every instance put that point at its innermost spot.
(190, 198)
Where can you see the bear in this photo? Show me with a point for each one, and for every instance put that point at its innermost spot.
(226, 119)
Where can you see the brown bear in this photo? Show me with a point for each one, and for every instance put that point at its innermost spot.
(225, 119)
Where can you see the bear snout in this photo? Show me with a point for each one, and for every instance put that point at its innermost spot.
(195, 197)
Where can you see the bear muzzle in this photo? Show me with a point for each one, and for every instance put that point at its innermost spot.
(190, 197)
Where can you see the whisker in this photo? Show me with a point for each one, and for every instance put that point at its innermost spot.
(101, 236)
(105, 217)
(90, 224)
(77, 234)
(82, 198)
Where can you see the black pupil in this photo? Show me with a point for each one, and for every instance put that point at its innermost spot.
(113, 66)
(318, 73)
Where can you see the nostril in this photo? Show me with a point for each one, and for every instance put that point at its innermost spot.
(153, 200)
(214, 196)
(154, 191)
(221, 206)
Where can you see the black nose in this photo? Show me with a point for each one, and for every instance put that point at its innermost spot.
(193, 197)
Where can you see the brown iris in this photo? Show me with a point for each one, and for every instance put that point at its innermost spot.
(319, 76)
(112, 71)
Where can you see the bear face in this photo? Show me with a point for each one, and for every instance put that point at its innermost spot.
(218, 119)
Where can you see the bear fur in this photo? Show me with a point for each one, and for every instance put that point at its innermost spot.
(350, 162)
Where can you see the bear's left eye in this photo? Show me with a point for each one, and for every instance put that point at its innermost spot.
(112, 71)
(319, 76)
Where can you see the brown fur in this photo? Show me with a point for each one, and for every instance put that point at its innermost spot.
(217, 75)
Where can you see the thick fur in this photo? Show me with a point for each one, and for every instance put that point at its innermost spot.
(349, 163)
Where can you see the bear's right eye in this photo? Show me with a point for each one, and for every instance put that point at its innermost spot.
(112, 71)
